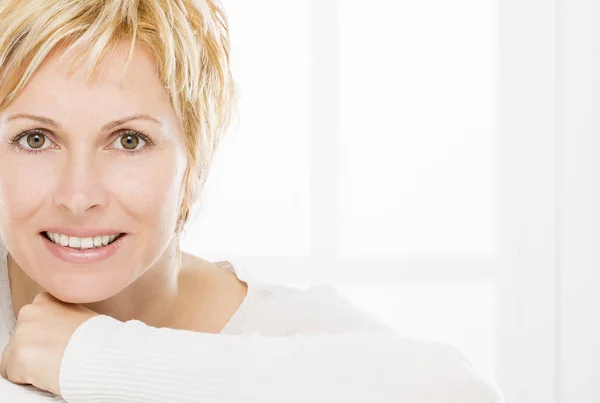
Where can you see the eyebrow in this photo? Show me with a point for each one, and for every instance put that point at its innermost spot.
(108, 126)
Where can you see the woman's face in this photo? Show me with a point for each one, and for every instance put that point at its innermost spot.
(83, 177)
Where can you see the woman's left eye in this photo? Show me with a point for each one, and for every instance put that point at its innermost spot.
(129, 141)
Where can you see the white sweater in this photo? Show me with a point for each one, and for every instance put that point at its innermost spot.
(283, 345)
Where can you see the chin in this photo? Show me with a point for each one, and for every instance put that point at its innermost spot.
(71, 297)
(80, 292)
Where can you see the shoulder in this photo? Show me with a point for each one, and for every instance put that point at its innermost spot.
(280, 310)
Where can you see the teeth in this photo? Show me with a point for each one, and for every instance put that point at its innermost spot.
(74, 242)
(86, 243)
(97, 241)
(82, 243)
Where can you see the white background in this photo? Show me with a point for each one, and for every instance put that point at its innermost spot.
(436, 162)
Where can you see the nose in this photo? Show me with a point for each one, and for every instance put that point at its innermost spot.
(80, 186)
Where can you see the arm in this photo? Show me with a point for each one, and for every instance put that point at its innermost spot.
(111, 361)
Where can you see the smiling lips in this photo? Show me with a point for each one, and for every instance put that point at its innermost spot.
(82, 250)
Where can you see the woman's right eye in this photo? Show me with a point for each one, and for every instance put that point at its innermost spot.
(33, 141)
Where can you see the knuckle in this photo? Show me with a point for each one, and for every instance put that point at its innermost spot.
(43, 296)
(26, 312)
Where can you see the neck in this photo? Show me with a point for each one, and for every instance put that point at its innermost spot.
(151, 298)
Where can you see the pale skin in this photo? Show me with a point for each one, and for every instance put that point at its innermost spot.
(84, 176)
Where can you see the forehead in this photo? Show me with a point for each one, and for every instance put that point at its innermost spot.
(138, 86)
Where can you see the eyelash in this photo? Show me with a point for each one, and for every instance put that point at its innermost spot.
(15, 140)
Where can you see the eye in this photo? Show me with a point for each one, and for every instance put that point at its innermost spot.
(130, 140)
(34, 141)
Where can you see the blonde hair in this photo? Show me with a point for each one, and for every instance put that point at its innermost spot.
(189, 40)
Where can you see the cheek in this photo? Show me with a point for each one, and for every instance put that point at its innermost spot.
(149, 190)
(23, 188)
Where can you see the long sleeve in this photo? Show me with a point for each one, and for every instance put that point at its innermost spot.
(110, 361)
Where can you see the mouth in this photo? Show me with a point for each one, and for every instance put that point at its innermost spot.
(82, 243)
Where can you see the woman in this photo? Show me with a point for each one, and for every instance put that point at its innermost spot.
(100, 163)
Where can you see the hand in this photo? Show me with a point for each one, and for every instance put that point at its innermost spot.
(35, 350)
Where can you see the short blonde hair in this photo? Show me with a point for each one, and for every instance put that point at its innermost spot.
(189, 40)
